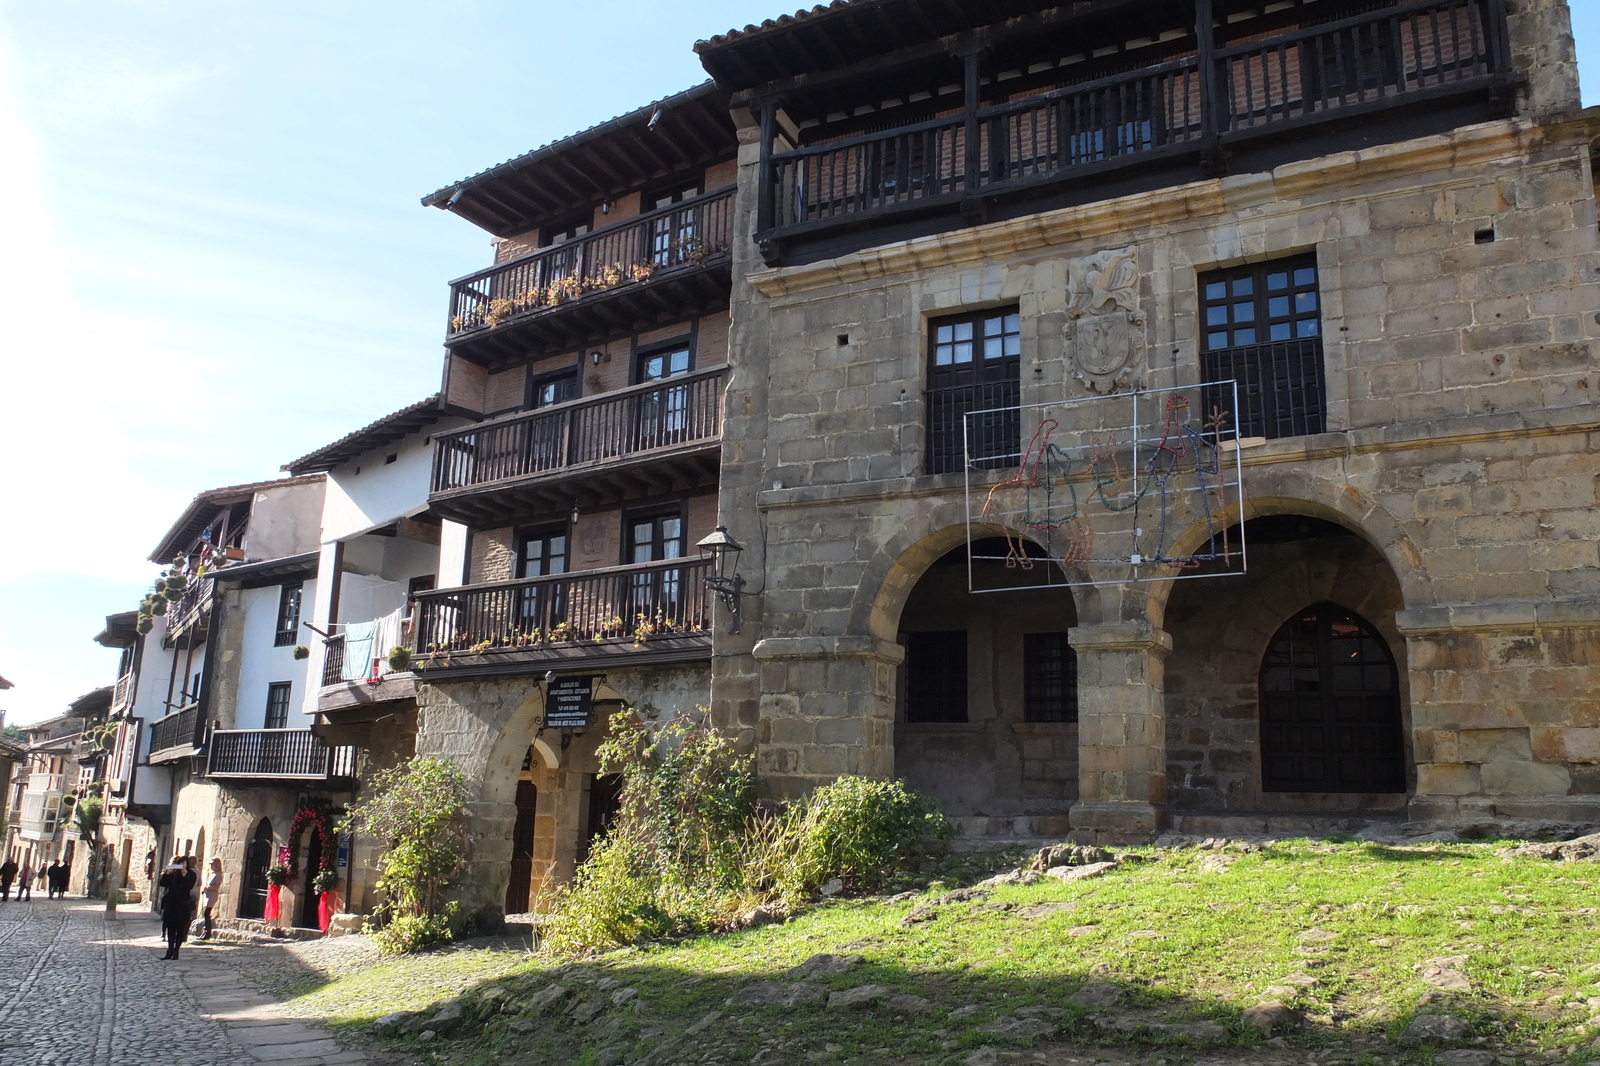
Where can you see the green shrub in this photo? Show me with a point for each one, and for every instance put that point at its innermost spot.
(418, 810)
(857, 829)
(405, 933)
(690, 852)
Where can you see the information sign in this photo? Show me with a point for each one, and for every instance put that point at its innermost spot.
(569, 703)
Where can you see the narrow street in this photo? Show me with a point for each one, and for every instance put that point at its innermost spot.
(80, 989)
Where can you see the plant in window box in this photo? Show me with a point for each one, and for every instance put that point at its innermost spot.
(301, 652)
(642, 271)
(560, 631)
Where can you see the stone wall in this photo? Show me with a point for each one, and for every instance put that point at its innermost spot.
(1457, 276)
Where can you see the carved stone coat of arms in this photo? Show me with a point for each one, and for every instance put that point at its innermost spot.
(1105, 328)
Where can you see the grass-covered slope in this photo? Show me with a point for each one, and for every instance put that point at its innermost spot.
(1172, 947)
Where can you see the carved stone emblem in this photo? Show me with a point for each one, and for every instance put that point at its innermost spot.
(1105, 328)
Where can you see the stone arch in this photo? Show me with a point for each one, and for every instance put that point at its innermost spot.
(1287, 492)
(895, 568)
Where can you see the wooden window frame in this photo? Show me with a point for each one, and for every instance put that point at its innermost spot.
(275, 689)
(287, 631)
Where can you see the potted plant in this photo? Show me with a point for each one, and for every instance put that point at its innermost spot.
(325, 880)
(399, 659)
(278, 874)
(302, 652)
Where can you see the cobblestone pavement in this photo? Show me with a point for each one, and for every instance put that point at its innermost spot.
(80, 989)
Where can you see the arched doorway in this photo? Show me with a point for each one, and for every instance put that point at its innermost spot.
(257, 858)
(986, 707)
(1330, 707)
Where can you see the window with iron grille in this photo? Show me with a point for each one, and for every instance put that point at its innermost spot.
(936, 676)
(288, 615)
(278, 704)
(1049, 678)
(1263, 330)
(974, 365)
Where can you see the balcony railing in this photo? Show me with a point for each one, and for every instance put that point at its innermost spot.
(333, 660)
(178, 732)
(122, 695)
(1282, 392)
(190, 611)
(282, 753)
(618, 605)
(1341, 69)
(681, 237)
(678, 411)
(996, 432)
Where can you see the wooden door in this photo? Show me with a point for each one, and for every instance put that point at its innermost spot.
(1330, 707)
(522, 849)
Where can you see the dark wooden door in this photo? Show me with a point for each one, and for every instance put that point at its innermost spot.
(309, 895)
(257, 857)
(522, 849)
(1330, 707)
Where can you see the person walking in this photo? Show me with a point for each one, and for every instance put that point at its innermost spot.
(8, 874)
(209, 894)
(24, 883)
(177, 906)
(52, 875)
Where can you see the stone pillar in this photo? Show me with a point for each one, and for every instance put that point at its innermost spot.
(827, 709)
(1122, 749)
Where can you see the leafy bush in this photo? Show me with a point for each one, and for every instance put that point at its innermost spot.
(419, 811)
(691, 852)
(857, 828)
(405, 933)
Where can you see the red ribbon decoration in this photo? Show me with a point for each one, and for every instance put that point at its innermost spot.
(271, 913)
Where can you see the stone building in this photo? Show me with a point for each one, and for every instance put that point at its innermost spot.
(1378, 218)
(590, 359)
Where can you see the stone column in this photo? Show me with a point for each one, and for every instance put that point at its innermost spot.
(1122, 749)
(827, 709)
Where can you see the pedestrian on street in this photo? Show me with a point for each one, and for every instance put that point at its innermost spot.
(24, 880)
(53, 879)
(177, 906)
(8, 874)
(209, 894)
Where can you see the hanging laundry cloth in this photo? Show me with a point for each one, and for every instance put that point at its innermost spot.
(388, 632)
(358, 644)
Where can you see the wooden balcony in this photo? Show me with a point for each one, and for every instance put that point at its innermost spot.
(1404, 71)
(652, 613)
(350, 699)
(642, 440)
(278, 754)
(177, 736)
(189, 618)
(668, 263)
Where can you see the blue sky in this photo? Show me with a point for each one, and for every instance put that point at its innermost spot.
(212, 257)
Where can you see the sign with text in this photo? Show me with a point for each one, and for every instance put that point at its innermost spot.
(569, 703)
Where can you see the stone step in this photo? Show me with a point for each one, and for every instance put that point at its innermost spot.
(1275, 824)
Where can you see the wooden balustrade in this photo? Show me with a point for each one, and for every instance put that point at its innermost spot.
(680, 237)
(1336, 69)
(178, 731)
(285, 753)
(619, 605)
(676, 411)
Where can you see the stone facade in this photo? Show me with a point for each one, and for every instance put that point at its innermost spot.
(1459, 277)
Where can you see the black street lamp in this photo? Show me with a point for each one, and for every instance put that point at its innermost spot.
(723, 551)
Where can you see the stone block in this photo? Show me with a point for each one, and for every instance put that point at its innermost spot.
(1448, 779)
(1494, 745)
(1570, 745)
(1525, 779)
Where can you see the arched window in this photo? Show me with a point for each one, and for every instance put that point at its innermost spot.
(257, 857)
(1330, 707)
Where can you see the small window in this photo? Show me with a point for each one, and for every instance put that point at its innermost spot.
(278, 704)
(664, 363)
(1260, 304)
(552, 389)
(1049, 678)
(936, 676)
(288, 615)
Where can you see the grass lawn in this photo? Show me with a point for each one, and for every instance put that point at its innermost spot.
(1341, 933)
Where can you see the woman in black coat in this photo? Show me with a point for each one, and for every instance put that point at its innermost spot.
(177, 904)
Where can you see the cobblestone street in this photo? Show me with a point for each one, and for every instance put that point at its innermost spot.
(77, 989)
